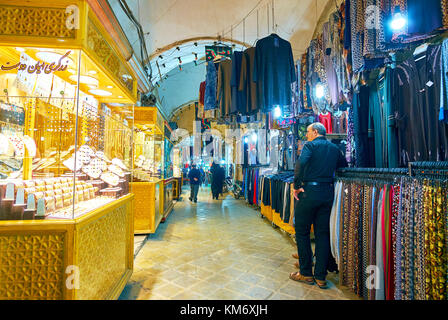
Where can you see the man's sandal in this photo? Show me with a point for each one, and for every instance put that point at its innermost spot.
(322, 284)
(296, 276)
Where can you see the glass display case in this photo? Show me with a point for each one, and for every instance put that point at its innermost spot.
(66, 127)
(177, 162)
(147, 181)
(60, 157)
(168, 163)
(148, 154)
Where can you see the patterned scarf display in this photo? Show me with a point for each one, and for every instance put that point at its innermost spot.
(413, 216)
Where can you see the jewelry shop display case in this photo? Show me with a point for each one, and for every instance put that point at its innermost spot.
(169, 183)
(148, 170)
(177, 171)
(66, 128)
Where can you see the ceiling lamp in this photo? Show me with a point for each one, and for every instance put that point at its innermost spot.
(92, 72)
(20, 49)
(99, 92)
(109, 87)
(53, 57)
(84, 79)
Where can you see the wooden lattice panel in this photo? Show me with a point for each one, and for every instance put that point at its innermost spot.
(35, 22)
(102, 253)
(32, 266)
(104, 52)
(144, 206)
(145, 115)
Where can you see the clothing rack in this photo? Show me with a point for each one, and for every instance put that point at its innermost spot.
(255, 166)
(428, 168)
(373, 172)
(415, 168)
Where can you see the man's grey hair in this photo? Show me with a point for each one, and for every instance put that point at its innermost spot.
(320, 128)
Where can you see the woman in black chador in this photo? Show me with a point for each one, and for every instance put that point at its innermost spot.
(218, 176)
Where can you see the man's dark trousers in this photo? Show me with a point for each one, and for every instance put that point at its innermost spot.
(194, 191)
(314, 208)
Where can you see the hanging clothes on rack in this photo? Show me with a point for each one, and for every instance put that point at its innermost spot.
(224, 91)
(211, 82)
(274, 72)
(396, 223)
(325, 119)
(239, 100)
(247, 84)
(277, 194)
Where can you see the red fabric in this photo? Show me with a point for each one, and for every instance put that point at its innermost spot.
(202, 93)
(383, 236)
(390, 267)
(326, 121)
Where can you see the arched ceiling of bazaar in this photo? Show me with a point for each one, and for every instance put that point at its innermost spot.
(182, 28)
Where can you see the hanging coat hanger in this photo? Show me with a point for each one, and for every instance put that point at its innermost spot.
(420, 50)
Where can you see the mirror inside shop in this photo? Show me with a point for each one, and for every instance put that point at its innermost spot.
(65, 149)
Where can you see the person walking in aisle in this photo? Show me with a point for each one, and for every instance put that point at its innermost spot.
(218, 176)
(195, 180)
(202, 175)
(314, 190)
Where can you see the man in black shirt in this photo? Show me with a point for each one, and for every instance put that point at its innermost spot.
(313, 188)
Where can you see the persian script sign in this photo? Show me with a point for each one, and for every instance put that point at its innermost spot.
(38, 67)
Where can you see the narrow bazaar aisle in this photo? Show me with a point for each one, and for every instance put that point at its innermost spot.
(220, 250)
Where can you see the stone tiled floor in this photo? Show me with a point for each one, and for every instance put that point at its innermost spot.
(220, 250)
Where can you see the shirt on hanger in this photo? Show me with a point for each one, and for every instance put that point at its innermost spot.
(274, 72)
(325, 119)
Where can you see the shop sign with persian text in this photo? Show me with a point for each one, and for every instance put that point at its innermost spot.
(39, 66)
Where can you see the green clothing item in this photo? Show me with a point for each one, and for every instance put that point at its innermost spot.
(382, 125)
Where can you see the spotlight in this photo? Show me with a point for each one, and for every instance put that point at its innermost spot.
(177, 48)
(254, 137)
(160, 57)
(277, 112)
(246, 140)
(163, 65)
(398, 21)
(320, 91)
(195, 44)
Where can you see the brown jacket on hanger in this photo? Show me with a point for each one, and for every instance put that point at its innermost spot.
(224, 93)
(246, 80)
